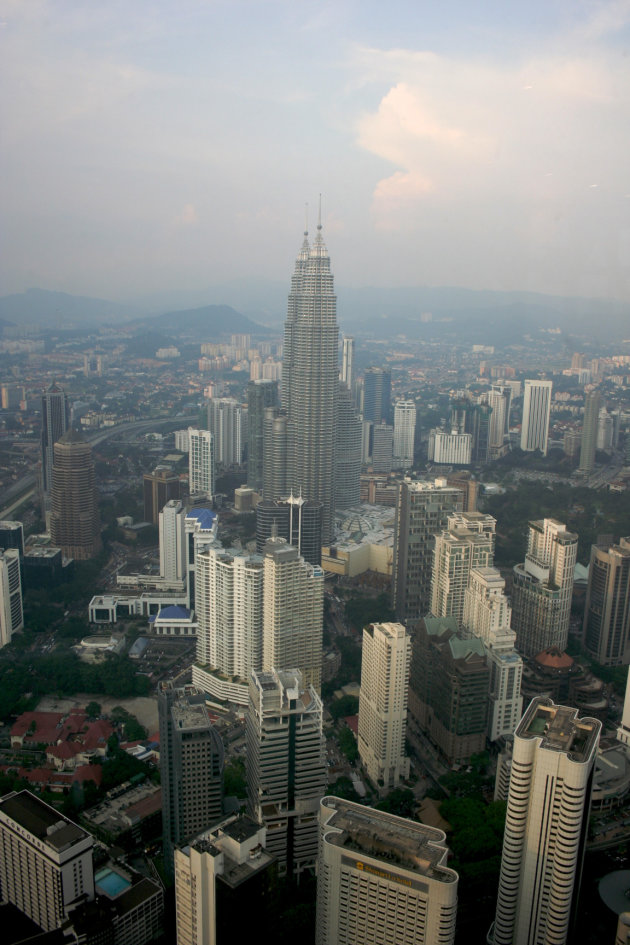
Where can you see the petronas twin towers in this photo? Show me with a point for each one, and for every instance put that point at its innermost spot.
(310, 379)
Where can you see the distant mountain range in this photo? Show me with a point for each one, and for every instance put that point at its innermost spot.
(466, 315)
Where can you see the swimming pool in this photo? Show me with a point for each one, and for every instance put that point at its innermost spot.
(111, 883)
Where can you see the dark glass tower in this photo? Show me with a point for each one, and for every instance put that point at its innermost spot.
(260, 394)
(310, 379)
(55, 422)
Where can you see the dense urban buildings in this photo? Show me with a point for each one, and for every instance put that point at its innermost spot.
(385, 659)
(607, 607)
(536, 413)
(542, 588)
(382, 879)
(310, 380)
(11, 609)
(546, 825)
(74, 519)
(293, 612)
(422, 511)
(45, 860)
(191, 765)
(285, 765)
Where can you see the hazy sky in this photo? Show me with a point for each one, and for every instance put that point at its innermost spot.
(168, 144)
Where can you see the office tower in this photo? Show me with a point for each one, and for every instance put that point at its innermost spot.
(542, 588)
(310, 380)
(222, 881)
(45, 860)
(172, 531)
(293, 612)
(191, 767)
(159, 487)
(422, 511)
(74, 519)
(546, 825)
(377, 384)
(499, 400)
(467, 542)
(227, 421)
(450, 448)
(285, 765)
(12, 536)
(607, 609)
(404, 433)
(589, 431)
(474, 419)
(297, 521)
(383, 703)
(382, 447)
(229, 612)
(347, 362)
(468, 487)
(201, 527)
(448, 689)
(274, 453)
(260, 394)
(536, 412)
(11, 611)
(55, 422)
(201, 461)
(347, 452)
(487, 615)
(382, 879)
(605, 431)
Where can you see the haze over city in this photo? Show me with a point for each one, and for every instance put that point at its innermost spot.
(159, 147)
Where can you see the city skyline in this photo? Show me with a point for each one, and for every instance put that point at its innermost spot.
(415, 127)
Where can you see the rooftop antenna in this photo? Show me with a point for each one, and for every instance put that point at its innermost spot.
(319, 218)
(306, 219)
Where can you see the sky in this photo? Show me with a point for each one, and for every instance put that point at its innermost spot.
(149, 146)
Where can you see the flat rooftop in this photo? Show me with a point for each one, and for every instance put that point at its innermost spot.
(560, 729)
(186, 716)
(389, 839)
(41, 820)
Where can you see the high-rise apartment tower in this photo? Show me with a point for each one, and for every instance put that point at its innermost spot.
(546, 825)
(607, 608)
(404, 433)
(201, 462)
(589, 431)
(536, 412)
(11, 609)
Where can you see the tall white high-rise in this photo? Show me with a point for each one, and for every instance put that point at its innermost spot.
(383, 703)
(536, 413)
(227, 421)
(172, 532)
(542, 588)
(11, 609)
(310, 379)
(382, 879)
(229, 612)
(404, 433)
(487, 615)
(499, 398)
(218, 878)
(285, 765)
(293, 612)
(546, 825)
(201, 462)
(467, 542)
